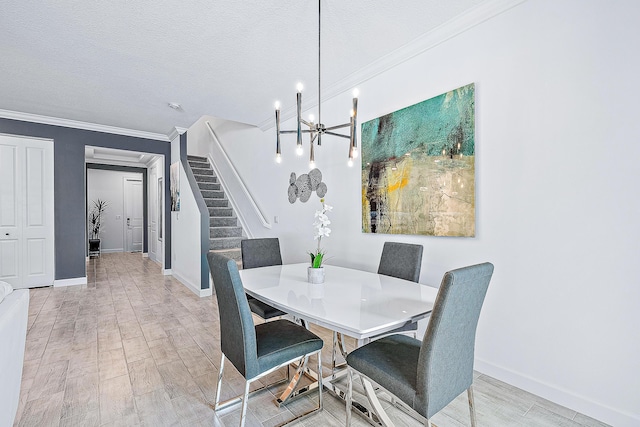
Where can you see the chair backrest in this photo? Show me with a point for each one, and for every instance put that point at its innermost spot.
(237, 331)
(260, 252)
(445, 367)
(401, 260)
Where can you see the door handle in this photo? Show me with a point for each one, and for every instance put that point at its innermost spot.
(128, 222)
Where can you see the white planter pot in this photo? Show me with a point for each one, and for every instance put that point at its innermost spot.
(315, 275)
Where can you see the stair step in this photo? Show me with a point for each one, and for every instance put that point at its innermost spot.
(217, 203)
(220, 212)
(234, 254)
(205, 178)
(225, 232)
(212, 194)
(224, 242)
(202, 171)
(197, 158)
(198, 165)
(223, 221)
(209, 186)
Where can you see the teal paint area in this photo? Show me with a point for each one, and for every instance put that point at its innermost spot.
(444, 124)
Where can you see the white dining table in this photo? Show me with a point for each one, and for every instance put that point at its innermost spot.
(356, 303)
(350, 302)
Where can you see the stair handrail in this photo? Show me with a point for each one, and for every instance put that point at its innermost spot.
(245, 190)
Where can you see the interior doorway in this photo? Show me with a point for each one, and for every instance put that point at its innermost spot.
(142, 232)
(122, 192)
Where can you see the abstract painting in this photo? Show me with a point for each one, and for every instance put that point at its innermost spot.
(418, 168)
(174, 186)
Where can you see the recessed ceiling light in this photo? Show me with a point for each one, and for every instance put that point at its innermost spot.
(175, 105)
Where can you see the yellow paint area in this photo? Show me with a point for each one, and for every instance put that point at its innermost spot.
(399, 178)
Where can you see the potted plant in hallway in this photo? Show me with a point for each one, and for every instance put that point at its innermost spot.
(315, 272)
(95, 222)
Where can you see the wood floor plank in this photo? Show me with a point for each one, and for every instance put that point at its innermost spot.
(50, 379)
(44, 411)
(155, 409)
(80, 397)
(116, 399)
(144, 376)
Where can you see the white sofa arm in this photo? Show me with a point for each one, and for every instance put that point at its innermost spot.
(14, 316)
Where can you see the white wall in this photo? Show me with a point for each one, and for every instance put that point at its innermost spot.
(185, 229)
(108, 185)
(557, 209)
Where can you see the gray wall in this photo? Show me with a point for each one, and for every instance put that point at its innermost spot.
(69, 185)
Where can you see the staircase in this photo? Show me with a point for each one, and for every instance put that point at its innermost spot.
(224, 232)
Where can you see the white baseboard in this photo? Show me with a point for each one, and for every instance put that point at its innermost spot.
(566, 398)
(112, 251)
(192, 286)
(70, 282)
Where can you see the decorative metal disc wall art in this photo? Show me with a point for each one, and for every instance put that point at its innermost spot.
(303, 186)
(418, 168)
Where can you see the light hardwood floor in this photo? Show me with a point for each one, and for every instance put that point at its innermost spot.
(134, 347)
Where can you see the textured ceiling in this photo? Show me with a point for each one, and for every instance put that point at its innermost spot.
(119, 62)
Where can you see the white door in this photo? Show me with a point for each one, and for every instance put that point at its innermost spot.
(133, 213)
(26, 212)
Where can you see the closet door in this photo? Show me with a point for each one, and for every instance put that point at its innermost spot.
(26, 212)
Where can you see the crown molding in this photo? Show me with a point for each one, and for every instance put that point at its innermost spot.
(176, 132)
(423, 43)
(56, 121)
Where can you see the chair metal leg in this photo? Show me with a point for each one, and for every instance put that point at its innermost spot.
(428, 423)
(349, 395)
(294, 381)
(375, 403)
(217, 401)
(320, 388)
(472, 406)
(245, 401)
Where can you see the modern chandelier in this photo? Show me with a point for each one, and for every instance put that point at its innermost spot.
(317, 129)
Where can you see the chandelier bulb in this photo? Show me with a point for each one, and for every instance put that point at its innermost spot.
(312, 164)
(356, 92)
(299, 87)
(278, 158)
(354, 152)
(350, 162)
(277, 105)
(311, 118)
(299, 150)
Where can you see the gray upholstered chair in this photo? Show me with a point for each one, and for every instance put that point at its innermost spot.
(255, 350)
(426, 376)
(401, 260)
(261, 253)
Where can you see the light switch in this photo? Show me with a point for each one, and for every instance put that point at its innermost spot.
(118, 216)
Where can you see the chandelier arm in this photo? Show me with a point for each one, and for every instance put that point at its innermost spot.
(311, 125)
(345, 125)
(295, 131)
(338, 134)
